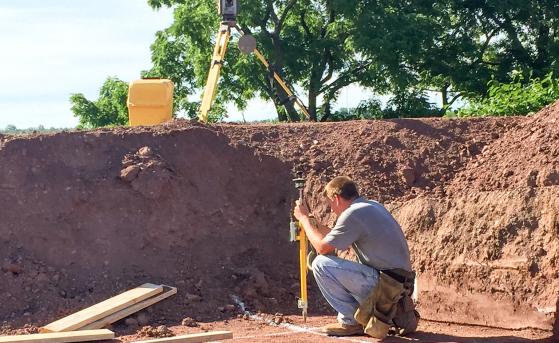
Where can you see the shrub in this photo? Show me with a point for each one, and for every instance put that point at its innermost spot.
(519, 97)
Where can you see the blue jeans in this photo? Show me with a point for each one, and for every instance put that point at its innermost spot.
(344, 284)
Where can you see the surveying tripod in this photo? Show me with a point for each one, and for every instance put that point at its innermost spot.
(228, 9)
(297, 233)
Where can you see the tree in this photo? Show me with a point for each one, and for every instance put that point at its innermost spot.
(10, 128)
(109, 109)
(305, 41)
(409, 104)
(456, 47)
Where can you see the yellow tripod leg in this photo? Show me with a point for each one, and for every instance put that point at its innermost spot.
(303, 303)
(215, 67)
(283, 85)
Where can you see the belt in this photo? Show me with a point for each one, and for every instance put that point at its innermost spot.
(400, 275)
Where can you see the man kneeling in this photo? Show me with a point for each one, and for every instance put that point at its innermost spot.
(370, 293)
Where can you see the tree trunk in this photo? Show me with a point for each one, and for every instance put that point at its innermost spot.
(327, 110)
(280, 110)
(444, 94)
(312, 104)
(284, 107)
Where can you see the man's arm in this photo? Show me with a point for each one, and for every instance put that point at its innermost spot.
(315, 233)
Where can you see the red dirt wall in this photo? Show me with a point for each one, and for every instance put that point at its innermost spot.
(206, 208)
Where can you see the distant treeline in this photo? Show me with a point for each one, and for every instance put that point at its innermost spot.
(13, 130)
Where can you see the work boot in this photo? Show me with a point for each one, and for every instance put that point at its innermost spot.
(339, 329)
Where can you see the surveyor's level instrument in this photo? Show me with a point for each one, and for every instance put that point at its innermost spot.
(247, 44)
(297, 233)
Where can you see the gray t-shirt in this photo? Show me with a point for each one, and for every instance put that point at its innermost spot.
(377, 238)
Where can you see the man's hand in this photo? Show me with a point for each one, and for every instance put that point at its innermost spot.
(315, 234)
(300, 211)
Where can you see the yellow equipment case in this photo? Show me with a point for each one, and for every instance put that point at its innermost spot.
(150, 101)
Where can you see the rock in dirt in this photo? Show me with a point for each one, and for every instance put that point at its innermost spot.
(145, 151)
(12, 268)
(277, 319)
(226, 308)
(531, 178)
(548, 178)
(190, 322)
(42, 277)
(408, 174)
(129, 173)
(158, 332)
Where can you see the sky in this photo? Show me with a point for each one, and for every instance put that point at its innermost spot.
(50, 49)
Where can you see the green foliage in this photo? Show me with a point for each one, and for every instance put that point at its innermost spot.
(109, 109)
(10, 128)
(408, 104)
(367, 109)
(455, 47)
(519, 97)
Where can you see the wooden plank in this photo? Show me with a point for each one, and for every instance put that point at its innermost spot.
(60, 337)
(101, 323)
(103, 309)
(193, 338)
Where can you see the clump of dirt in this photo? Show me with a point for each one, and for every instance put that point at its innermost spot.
(189, 322)
(156, 332)
(278, 319)
(147, 173)
(27, 329)
(206, 208)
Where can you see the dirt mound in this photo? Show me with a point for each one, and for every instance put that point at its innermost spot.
(76, 228)
(494, 253)
(527, 156)
(393, 159)
(206, 208)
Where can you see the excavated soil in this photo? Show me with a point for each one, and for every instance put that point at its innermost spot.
(206, 208)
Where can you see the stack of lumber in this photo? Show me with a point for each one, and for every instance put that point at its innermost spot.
(111, 310)
(83, 325)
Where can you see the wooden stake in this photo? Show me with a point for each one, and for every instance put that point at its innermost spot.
(193, 338)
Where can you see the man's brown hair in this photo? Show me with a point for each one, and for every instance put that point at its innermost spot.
(342, 186)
